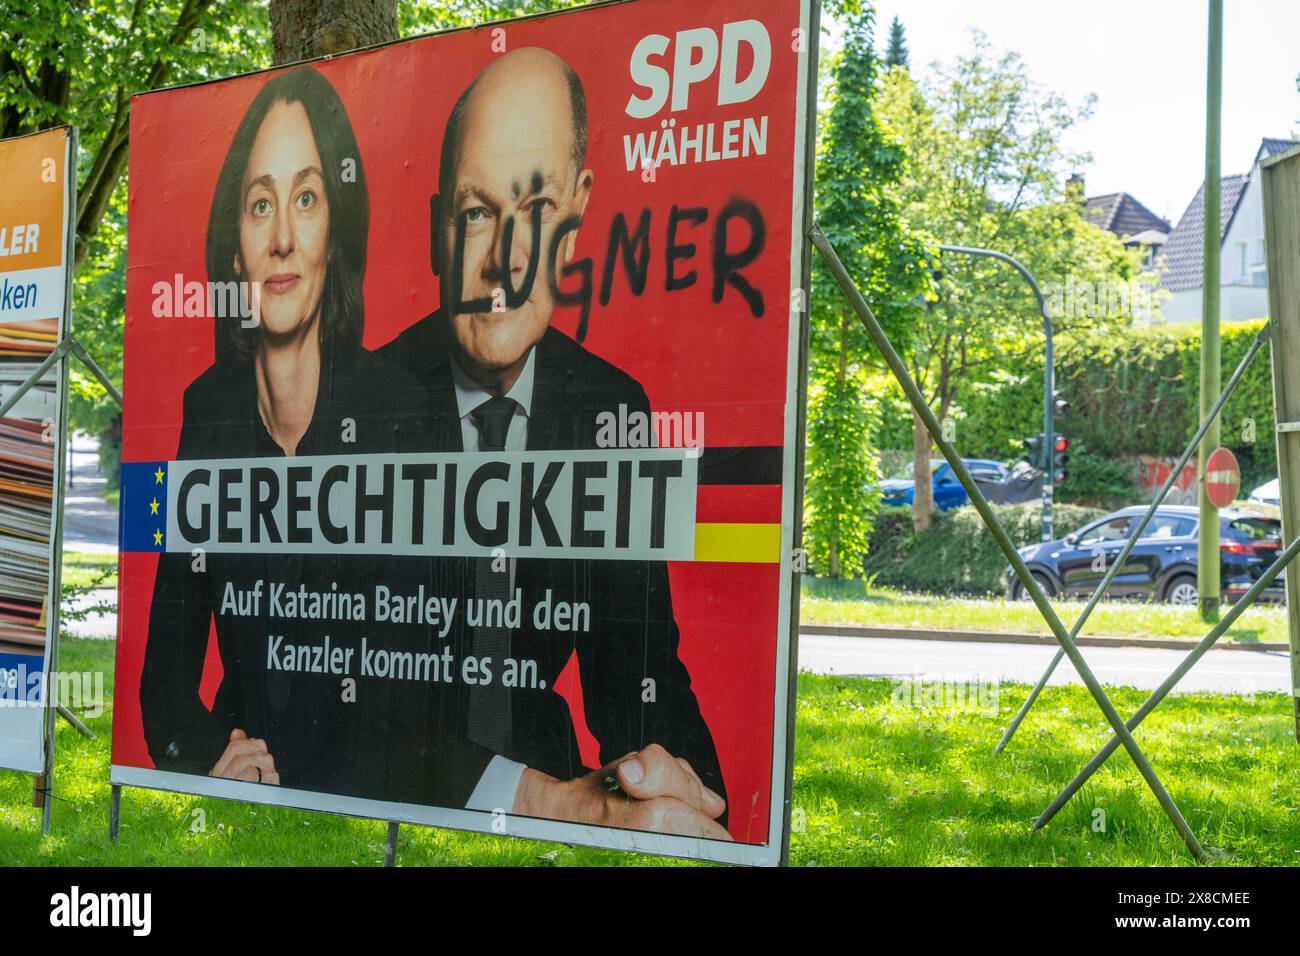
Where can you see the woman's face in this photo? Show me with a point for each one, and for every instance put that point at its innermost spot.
(284, 222)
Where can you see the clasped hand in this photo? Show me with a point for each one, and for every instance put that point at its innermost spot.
(656, 792)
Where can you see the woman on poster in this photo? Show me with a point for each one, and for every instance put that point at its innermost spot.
(289, 221)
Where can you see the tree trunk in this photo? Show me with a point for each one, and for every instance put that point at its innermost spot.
(923, 495)
(303, 29)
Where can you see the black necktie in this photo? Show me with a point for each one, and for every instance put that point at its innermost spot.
(489, 705)
(493, 419)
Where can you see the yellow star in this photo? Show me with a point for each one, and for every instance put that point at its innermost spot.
(153, 507)
(158, 476)
(157, 538)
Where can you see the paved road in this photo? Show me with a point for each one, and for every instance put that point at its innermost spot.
(1240, 672)
(1237, 672)
(89, 523)
(102, 622)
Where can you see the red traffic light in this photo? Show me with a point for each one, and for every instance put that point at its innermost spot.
(1062, 443)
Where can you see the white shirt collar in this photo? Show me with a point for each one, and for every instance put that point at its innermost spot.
(470, 395)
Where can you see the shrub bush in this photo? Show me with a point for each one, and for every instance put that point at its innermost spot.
(1094, 480)
(958, 554)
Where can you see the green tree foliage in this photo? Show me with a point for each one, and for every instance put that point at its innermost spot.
(1130, 396)
(99, 301)
(842, 476)
(985, 167)
(896, 53)
(856, 163)
(427, 16)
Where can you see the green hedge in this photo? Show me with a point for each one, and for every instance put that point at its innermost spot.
(958, 554)
(1129, 397)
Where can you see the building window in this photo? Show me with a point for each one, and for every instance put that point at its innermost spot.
(1259, 269)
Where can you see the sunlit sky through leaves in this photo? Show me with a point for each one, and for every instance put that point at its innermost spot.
(1145, 61)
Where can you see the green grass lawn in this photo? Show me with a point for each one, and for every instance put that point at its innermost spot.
(82, 570)
(855, 602)
(877, 782)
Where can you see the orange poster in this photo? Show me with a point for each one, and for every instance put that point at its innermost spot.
(35, 201)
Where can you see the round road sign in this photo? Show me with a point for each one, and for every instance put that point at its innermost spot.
(1222, 477)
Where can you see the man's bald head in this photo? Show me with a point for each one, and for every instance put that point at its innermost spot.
(512, 190)
(530, 81)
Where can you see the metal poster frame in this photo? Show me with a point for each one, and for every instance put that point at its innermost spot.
(1280, 179)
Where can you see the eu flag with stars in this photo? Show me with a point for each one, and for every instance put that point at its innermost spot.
(143, 506)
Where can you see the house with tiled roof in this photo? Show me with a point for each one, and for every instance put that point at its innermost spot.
(1243, 278)
(1120, 213)
(1134, 223)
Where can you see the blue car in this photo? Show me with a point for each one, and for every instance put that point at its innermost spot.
(948, 492)
(1162, 565)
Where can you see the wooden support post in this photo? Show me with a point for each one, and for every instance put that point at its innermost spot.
(1281, 182)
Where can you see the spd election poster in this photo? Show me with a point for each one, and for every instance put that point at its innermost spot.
(462, 404)
(34, 263)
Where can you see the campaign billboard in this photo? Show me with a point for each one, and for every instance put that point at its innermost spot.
(35, 205)
(462, 414)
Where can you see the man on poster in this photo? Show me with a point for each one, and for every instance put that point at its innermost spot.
(512, 190)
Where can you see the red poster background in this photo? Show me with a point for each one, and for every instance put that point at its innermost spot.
(687, 352)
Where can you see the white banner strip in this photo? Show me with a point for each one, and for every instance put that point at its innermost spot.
(623, 504)
(29, 294)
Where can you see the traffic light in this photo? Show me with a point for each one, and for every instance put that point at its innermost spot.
(1060, 458)
(1034, 451)
(937, 276)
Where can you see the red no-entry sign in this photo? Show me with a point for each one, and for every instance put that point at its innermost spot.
(1222, 477)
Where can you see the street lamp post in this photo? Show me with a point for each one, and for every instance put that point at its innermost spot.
(1207, 570)
(1049, 373)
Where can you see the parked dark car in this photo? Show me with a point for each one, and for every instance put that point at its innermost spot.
(948, 492)
(1162, 566)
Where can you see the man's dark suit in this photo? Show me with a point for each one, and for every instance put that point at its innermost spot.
(633, 635)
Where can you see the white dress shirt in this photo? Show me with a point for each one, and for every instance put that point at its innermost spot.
(496, 789)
